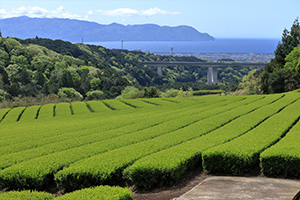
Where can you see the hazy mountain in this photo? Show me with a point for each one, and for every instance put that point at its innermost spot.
(74, 30)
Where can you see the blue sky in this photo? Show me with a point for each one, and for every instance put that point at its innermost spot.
(219, 18)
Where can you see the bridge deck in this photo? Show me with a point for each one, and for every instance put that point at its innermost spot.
(202, 64)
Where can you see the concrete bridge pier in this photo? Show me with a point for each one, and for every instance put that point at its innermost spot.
(212, 75)
(159, 71)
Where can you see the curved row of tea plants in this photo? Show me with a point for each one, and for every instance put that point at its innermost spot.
(98, 136)
(283, 159)
(35, 172)
(94, 193)
(242, 154)
(166, 167)
(107, 168)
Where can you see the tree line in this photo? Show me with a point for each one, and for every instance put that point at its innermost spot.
(282, 74)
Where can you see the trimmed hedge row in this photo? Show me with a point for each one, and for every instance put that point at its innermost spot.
(283, 159)
(242, 154)
(116, 105)
(3, 113)
(99, 193)
(107, 168)
(167, 166)
(43, 129)
(89, 136)
(25, 195)
(13, 115)
(79, 107)
(36, 173)
(63, 110)
(30, 114)
(46, 111)
(110, 124)
(93, 193)
(206, 92)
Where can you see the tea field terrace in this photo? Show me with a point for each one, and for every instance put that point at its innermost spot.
(148, 142)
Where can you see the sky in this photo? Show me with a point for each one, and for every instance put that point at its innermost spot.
(219, 18)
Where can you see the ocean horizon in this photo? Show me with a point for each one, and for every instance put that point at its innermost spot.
(219, 45)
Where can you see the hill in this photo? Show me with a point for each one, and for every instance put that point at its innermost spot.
(38, 67)
(74, 30)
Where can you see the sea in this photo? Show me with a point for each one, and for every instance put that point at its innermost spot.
(266, 46)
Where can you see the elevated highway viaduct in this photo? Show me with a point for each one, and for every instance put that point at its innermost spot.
(212, 67)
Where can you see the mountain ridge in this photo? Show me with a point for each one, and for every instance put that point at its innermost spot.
(74, 30)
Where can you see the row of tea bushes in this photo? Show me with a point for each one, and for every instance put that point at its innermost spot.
(107, 168)
(167, 166)
(242, 154)
(94, 193)
(283, 159)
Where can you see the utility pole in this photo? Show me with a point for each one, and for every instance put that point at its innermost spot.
(171, 51)
(122, 44)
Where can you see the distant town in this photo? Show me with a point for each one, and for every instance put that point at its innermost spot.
(243, 57)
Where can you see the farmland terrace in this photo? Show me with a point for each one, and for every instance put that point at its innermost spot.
(148, 143)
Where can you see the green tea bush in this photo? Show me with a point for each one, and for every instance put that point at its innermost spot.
(25, 195)
(99, 193)
(283, 159)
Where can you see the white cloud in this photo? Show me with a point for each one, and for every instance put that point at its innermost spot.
(119, 12)
(129, 12)
(38, 12)
(88, 15)
(158, 11)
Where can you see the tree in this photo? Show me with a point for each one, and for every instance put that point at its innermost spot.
(293, 60)
(69, 93)
(129, 91)
(271, 76)
(42, 62)
(290, 40)
(95, 83)
(19, 60)
(95, 95)
(3, 95)
(151, 93)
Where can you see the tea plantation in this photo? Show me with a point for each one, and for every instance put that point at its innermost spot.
(87, 148)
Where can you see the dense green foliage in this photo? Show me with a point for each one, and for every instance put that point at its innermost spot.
(282, 74)
(38, 67)
(28, 69)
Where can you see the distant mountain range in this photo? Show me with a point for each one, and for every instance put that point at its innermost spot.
(74, 30)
